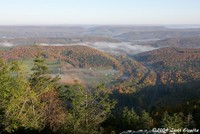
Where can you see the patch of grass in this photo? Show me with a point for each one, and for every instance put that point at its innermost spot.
(56, 62)
(5, 48)
(90, 77)
(97, 77)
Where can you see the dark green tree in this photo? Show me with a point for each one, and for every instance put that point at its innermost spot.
(88, 109)
(29, 103)
(172, 121)
(189, 122)
(130, 119)
(18, 101)
(46, 89)
(146, 121)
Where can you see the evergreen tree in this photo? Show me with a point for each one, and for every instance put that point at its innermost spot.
(29, 103)
(130, 119)
(88, 109)
(146, 121)
(175, 121)
(18, 101)
(46, 89)
(189, 122)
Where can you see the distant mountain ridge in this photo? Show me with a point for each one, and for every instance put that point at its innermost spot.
(190, 42)
(158, 34)
(67, 34)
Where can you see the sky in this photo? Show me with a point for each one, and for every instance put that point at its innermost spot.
(100, 12)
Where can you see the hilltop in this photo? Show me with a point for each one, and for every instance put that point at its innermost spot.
(173, 64)
(164, 67)
(189, 42)
(130, 74)
(78, 56)
(73, 63)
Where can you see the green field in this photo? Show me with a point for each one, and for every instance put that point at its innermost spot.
(68, 74)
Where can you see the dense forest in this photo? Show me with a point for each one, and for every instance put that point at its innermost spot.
(39, 104)
(34, 101)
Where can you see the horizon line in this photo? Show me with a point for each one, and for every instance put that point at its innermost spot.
(99, 24)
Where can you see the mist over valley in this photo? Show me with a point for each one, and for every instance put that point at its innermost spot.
(152, 68)
(111, 39)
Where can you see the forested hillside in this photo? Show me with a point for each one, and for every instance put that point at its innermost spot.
(168, 81)
(159, 88)
(189, 42)
(173, 65)
(74, 64)
(78, 56)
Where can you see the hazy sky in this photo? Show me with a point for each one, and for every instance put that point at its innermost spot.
(40, 12)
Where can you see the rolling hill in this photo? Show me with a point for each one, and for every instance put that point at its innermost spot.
(164, 66)
(173, 65)
(166, 79)
(189, 42)
(158, 34)
(78, 56)
(80, 64)
(155, 80)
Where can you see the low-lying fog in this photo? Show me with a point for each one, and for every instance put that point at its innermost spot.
(113, 48)
(121, 48)
(6, 44)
